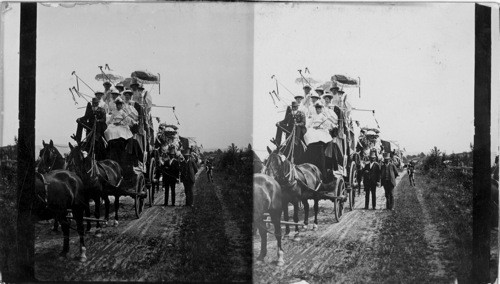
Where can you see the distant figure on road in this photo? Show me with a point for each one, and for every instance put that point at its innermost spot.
(170, 172)
(411, 170)
(371, 179)
(389, 173)
(208, 165)
(188, 172)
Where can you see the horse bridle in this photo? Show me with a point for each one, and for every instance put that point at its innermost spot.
(283, 179)
(50, 156)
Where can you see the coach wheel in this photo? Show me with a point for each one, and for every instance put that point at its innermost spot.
(139, 196)
(353, 181)
(339, 202)
(154, 182)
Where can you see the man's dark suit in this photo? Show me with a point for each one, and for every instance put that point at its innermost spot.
(299, 120)
(87, 121)
(188, 172)
(170, 172)
(388, 177)
(370, 179)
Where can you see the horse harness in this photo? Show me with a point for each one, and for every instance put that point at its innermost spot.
(106, 179)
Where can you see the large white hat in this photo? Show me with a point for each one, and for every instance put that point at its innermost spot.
(315, 96)
(118, 101)
(318, 104)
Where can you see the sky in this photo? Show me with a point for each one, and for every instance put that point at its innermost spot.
(415, 62)
(202, 51)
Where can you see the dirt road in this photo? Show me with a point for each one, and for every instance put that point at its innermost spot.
(366, 246)
(164, 244)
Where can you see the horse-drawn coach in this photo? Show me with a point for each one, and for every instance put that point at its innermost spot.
(119, 155)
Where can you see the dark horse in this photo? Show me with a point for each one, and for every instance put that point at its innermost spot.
(298, 183)
(267, 198)
(56, 192)
(100, 178)
(50, 158)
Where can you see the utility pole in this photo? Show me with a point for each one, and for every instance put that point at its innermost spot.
(481, 152)
(26, 144)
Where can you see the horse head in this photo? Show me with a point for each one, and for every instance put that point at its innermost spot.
(282, 170)
(49, 158)
(77, 160)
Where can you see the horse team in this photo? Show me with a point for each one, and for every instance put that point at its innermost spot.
(278, 182)
(69, 184)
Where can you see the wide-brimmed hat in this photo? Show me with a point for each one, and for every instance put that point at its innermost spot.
(134, 82)
(306, 86)
(327, 94)
(334, 87)
(99, 93)
(115, 91)
(319, 88)
(315, 96)
(119, 100)
(371, 133)
(299, 96)
(120, 85)
(127, 92)
(106, 83)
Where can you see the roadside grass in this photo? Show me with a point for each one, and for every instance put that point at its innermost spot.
(8, 213)
(449, 195)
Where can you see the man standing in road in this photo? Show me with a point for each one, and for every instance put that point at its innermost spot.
(170, 172)
(371, 180)
(188, 172)
(389, 175)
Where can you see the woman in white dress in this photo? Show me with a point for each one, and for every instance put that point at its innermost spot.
(118, 123)
(318, 127)
(328, 109)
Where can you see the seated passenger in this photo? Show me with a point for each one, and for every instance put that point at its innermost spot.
(111, 103)
(328, 109)
(132, 108)
(311, 110)
(318, 127)
(118, 123)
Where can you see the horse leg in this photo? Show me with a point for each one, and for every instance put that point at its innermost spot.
(97, 211)
(65, 228)
(97, 215)
(306, 214)
(316, 209)
(106, 208)
(263, 241)
(296, 220)
(275, 218)
(79, 227)
(285, 216)
(117, 205)
(87, 213)
(55, 226)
